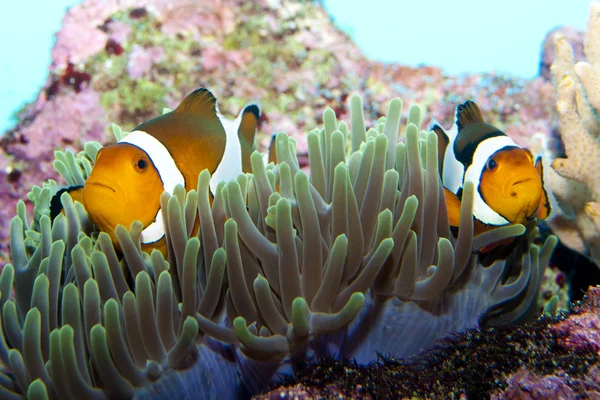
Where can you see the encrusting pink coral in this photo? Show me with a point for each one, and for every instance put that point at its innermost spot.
(527, 385)
(579, 332)
(65, 120)
(141, 60)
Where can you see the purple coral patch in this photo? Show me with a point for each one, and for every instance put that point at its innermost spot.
(527, 385)
(113, 47)
(141, 60)
(75, 79)
(137, 13)
(66, 118)
(579, 332)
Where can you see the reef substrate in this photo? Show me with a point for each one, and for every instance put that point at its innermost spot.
(542, 359)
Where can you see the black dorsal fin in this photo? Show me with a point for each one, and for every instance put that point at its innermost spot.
(249, 123)
(468, 113)
(472, 130)
(200, 102)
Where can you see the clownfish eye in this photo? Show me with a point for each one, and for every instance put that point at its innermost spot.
(491, 164)
(140, 163)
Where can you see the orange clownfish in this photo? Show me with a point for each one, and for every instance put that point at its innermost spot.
(509, 182)
(129, 176)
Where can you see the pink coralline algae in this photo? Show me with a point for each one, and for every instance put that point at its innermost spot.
(577, 336)
(579, 332)
(142, 59)
(67, 119)
(527, 385)
(299, 392)
(63, 121)
(214, 57)
(188, 15)
(80, 36)
(119, 31)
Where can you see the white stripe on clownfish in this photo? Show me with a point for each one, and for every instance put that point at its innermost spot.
(484, 151)
(453, 171)
(169, 174)
(155, 231)
(230, 166)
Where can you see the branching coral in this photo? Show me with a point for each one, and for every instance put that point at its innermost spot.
(355, 257)
(576, 178)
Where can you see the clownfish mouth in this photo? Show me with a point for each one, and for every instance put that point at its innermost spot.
(522, 181)
(101, 185)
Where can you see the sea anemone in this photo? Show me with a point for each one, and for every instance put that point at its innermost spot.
(355, 257)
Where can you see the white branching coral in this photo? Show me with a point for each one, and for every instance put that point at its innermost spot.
(575, 180)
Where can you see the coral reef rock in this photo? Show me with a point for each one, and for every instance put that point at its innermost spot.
(578, 336)
(548, 358)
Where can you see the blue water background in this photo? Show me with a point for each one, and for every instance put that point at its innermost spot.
(459, 36)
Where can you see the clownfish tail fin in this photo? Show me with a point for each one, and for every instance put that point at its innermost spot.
(252, 108)
(468, 113)
(272, 150)
(76, 192)
(443, 141)
(200, 102)
(248, 123)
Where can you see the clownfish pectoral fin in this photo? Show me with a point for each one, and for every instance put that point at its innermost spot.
(443, 141)
(468, 113)
(76, 193)
(453, 207)
(200, 102)
(500, 246)
(272, 150)
(544, 208)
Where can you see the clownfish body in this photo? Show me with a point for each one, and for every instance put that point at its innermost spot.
(509, 182)
(129, 176)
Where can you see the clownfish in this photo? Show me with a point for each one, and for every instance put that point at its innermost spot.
(129, 176)
(508, 180)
